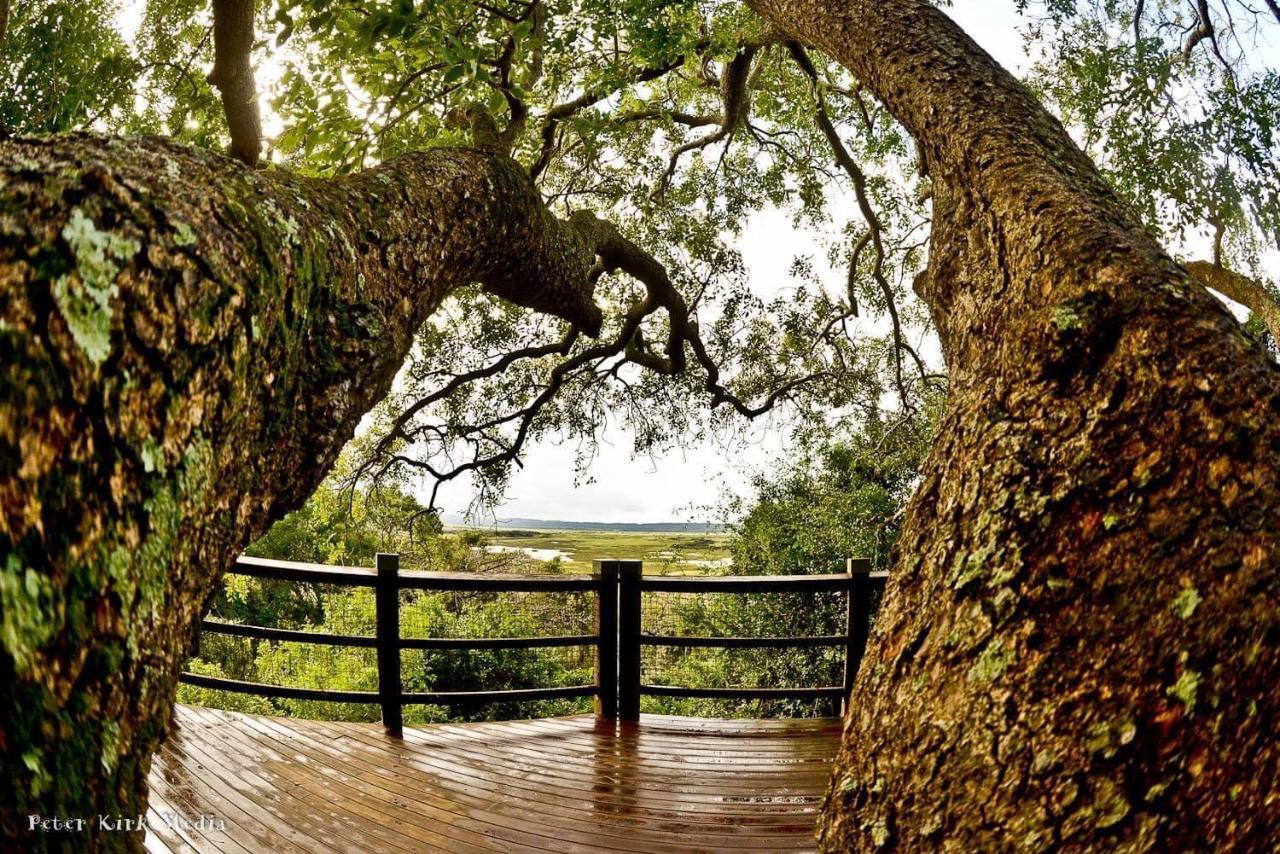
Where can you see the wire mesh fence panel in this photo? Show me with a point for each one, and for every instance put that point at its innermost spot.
(789, 614)
(435, 670)
(289, 664)
(299, 606)
(743, 615)
(472, 614)
(495, 615)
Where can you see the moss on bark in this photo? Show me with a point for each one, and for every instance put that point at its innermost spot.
(185, 346)
(1080, 643)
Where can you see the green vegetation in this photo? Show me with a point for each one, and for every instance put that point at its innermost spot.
(839, 499)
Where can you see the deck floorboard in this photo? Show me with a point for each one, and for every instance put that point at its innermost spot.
(559, 785)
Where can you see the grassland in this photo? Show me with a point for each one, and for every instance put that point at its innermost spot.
(662, 552)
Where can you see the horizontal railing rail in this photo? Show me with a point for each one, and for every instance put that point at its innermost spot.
(616, 589)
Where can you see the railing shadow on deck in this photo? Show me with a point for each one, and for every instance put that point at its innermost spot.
(619, 633)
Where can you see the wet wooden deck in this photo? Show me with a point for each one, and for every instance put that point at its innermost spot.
(556, 784)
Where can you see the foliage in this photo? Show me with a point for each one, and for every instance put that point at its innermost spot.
(678, 121)
(350, 529)
(840, 499)
(645, 68)
(1181, 112)
(90, 73)
(854, 490)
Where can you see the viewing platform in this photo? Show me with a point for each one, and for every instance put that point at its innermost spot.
(566, 784)
(403, 650)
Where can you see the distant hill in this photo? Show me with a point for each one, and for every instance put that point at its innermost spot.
(563, 525)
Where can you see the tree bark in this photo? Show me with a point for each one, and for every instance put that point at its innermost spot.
(4, 22)
(1079, 644)
(185, 346)
(233, 75)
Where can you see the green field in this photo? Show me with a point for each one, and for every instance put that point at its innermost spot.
(662, 552)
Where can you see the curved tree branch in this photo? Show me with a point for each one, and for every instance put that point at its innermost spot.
(735, 95)
(1242, 289)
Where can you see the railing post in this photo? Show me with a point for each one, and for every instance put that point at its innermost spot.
(629, 575)
(857, 622)
(387, 609)
(606, 576)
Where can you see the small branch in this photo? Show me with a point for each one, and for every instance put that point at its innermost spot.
(232, 74)
(551, 120)
(616, 252)
(1205, 30)
(658, 113)
(735, 96)
(487, 447)
(875, 229)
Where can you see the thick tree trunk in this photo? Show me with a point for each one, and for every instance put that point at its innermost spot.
(1080, 645)
(185, 346)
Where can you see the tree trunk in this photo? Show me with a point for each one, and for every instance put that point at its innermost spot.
(1080, 644)
(185, 346)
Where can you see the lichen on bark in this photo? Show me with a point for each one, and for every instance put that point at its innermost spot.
(1110, 443)
(185, 346)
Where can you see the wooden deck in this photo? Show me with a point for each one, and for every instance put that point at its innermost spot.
(555, 784)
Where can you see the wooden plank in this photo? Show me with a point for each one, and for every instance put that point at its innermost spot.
(562, 807)
(267, 633)
(527, 816)
(508, 757)
(576, 784)
(606, 625)
(387, 608)
(309, 573)
(311, 780)
(183, 766)
(259, 689)
(630, 581)
(857, 623)
(256, 783)
(682, 760)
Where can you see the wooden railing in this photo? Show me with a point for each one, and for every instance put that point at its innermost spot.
(618, 637)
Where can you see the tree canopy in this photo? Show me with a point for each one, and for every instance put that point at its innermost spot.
(679, 122)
